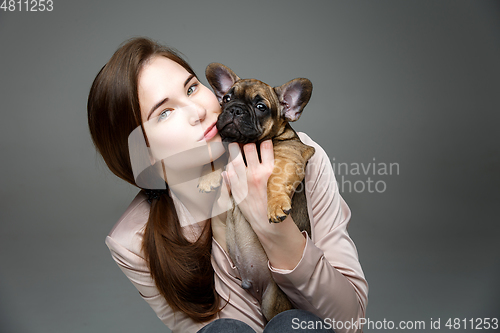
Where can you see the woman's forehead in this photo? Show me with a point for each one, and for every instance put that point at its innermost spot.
(160, 78)
(161, 68)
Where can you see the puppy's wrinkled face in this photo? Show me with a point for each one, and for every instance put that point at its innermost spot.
(250, 112)
(253, 111)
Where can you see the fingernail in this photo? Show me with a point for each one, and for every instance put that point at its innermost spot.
(250, 147)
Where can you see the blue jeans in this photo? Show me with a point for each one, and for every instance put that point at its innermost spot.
(285, 322)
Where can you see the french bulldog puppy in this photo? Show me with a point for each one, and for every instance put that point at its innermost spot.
(253, 111)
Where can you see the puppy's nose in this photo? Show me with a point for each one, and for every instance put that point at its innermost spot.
(235, 110)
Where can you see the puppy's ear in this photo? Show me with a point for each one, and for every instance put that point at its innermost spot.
(293, 96)
(221, 78)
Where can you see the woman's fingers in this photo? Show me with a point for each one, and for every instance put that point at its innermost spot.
(236, 161)
(226, 182)
(236, 174)
(251, 155)
(255, 172)
(223, 202)
(267, 153)
(231, 176)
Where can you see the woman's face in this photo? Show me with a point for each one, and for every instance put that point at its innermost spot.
(179, 115)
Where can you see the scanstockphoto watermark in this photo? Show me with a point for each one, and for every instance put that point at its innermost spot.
(385, 324)
(373, 175)
(355, 325)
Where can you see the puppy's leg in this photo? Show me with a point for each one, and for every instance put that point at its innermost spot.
(210, 181)
(250, 259)
(274, 301)
(247, 253)
(289, 171)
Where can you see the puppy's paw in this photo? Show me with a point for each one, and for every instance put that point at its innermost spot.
(278, 208)
(210, 182)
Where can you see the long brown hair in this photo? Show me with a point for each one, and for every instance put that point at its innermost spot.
(182, 270)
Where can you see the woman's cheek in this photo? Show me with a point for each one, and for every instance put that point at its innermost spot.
(165, 143)
(211, 100)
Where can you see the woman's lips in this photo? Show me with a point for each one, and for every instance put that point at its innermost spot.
(210, 132)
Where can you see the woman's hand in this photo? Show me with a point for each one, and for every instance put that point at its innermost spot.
(283, 242)
(249, 183)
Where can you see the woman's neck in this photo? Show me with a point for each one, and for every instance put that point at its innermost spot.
(184, 185)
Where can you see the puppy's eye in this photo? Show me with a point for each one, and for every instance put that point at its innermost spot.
(261, 107)
(226, 98)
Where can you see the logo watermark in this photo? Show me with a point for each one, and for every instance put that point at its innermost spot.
(373, 173)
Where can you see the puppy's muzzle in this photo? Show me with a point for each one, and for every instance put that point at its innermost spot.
(235, 110)
(234, 124)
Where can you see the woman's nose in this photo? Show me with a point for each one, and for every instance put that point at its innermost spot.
(197, 113)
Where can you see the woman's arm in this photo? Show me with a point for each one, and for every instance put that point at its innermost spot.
(124, 243)
(327, 279)
(283, 242)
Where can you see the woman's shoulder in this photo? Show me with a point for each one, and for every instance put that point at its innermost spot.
(129, 229)
(320, 157)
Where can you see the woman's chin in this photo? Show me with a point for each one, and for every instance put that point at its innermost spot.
(217, 149)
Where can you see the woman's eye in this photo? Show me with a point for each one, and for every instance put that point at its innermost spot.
(164, 114)
(261, 106)
(226, 98)
(192, 89)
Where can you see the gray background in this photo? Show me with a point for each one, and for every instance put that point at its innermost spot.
(410, 82)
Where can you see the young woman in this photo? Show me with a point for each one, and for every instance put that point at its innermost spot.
(170, 242)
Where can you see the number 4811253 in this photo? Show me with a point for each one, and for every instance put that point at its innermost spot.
(27, 5)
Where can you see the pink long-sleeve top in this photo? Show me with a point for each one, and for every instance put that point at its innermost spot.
(328, 281)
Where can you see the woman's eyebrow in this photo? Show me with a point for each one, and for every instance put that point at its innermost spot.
(156, 106)
(188, 79)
